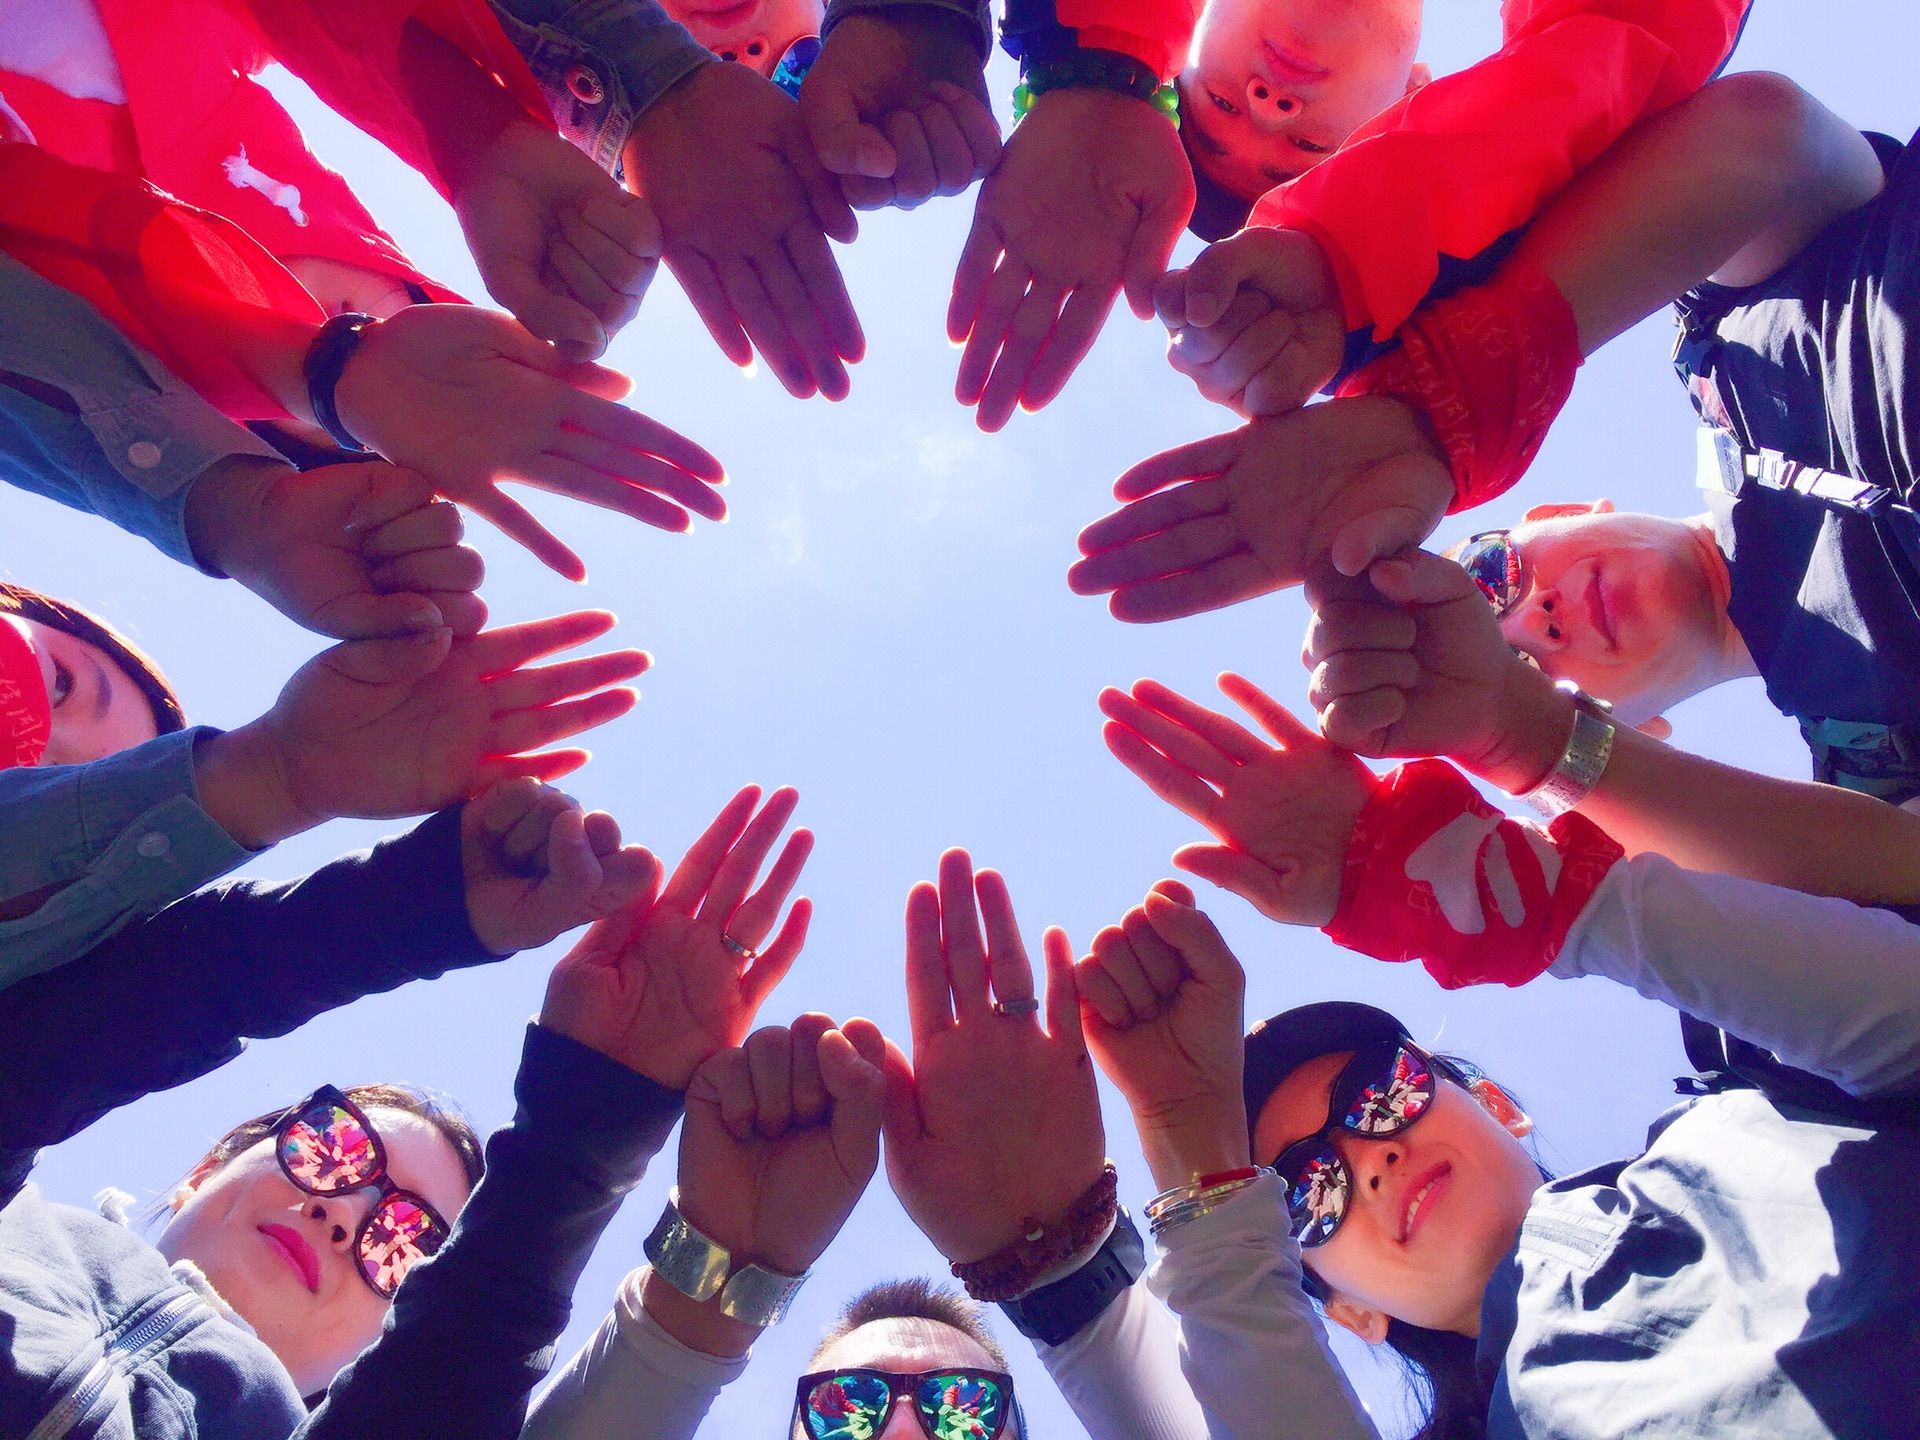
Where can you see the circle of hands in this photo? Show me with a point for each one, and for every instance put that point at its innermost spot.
(992, 1121)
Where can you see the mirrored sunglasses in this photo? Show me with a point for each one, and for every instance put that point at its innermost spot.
(1381, 1091)
(327, 1147)
(795, 63)
(954, 1404)
(1493, 562)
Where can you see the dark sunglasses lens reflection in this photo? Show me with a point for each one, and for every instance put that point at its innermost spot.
(1492, 562)
(847, 1407)
(961, 1406)
(400, 1234)
(328, 1151)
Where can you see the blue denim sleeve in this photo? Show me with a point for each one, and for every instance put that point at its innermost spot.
(89, 420)
(601, 63)
(473, 1329)
(112, 841)
(977, 13)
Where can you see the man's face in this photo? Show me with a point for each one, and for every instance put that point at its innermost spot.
(754, 32)
(906, 1346)
(1626, 606)
(1272, 86)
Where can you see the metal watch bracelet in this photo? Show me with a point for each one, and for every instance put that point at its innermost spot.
(1583, 761)
(700, 1269)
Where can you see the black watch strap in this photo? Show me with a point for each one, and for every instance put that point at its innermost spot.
(1055, 1313)
(326, 358)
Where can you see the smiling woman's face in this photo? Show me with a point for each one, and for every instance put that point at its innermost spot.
(98, 710)
(1427, 1264)
(285, 1259)
(1271, 87)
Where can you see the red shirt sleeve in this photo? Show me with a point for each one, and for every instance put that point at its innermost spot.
(187, 286)
(349, 52)
(1154, 32)
(1475, 155)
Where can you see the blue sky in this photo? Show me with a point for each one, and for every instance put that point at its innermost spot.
(884, 624)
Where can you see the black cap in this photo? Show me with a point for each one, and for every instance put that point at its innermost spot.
(1277, 1047)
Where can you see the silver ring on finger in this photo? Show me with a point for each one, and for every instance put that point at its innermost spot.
(1025, 1005)
(745, 952)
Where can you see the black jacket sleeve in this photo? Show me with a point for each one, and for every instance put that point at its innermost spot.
(174, 996)
(473, 1329)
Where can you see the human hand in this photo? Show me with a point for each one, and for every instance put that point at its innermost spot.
(995, 1122)
(746, 210)
(536, 866)
(468, 399)
(1260, 508)
(403, 726)
(557, 240)
(781, 1138)
(1162, 1003)
(1255, 322)
(671, 981)
(896, 106)
(1086, 200)
(1283, 812)
(1409, 661)
(351, 551)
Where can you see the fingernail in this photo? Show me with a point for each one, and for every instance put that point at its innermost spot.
(423, 617)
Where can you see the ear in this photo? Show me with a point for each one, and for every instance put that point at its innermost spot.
(1565, 511)
(1502, 1107)
(1657, 726)
(196, 1177)
(1419, 77)
(1369, 1325)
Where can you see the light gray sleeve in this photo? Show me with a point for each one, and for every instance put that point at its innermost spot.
(631, 1381)
(1122, 1375)
(1830, 987)
(1251, 1345)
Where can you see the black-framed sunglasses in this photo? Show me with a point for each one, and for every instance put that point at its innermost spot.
(1384, 1089)
(1493, 561)
(326, 1146)
(958, 1403)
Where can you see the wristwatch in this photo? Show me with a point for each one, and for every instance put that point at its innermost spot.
(1584, 760)
(700, 1269)
(1055, 1313)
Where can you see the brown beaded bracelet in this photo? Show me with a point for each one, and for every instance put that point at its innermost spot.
(1012, 1270)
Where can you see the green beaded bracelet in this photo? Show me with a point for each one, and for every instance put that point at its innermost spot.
(1098, 69)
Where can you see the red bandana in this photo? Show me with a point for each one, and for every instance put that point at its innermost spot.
(26, 719)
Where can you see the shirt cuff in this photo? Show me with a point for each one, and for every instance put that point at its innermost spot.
(638, 43)
(163, 445)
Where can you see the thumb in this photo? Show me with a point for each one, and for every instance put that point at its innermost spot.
(844, 145)
(390, 660)
(600, 381)
(1258, 884)
(362, 616)
(900, 1109)
(547, 316)
(858, 1090)
(1196, 937)
(1418, 577)
(1215, 278)
(1153, 241)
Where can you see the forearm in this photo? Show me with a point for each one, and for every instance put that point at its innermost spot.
(1729, 184)
(470, 1333)
(1122, 1374)
(1827, 986)
(977, 16)
(462, 109)
(636, 1379)
(1251, 1347)
(1653, 797)
(637, 49)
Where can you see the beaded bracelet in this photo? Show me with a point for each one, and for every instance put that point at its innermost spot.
(1011, 1271)
(1097, 69)
(326, 358)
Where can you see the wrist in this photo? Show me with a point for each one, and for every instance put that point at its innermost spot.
(698, 1324)
(1535, 719)
(1199, 1137)
(223, 512)
(241, 781)
(340, 376)
(1092, 73)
